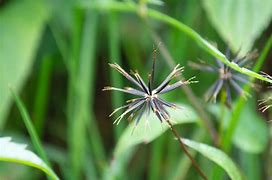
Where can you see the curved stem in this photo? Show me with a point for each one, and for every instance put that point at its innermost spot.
(183, 147)
(151, 13)
(188, 91)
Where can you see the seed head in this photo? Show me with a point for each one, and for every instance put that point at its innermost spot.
(227, 78)
(149, 97)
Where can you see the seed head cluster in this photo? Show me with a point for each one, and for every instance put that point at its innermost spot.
(149, 97)
(227, 78)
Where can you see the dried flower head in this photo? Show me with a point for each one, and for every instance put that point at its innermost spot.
(227, 77)
(149, 97)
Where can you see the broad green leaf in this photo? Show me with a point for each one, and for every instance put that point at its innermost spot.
(21, 26)
(239, 22)
(145, 133)
(217, 156)
(17, 153)
(251, 134)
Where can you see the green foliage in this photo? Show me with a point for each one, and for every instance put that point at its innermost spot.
(55, 54)
(249, 123)
(149, 128)
(19, 41)
(17, 153)
(217, 156)
(239, 22)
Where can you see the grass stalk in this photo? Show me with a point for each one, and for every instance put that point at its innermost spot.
(115, 78)
(30, 127)
(41, 97)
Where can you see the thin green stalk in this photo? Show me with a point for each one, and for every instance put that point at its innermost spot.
(251, 165)
(87, 76)
(30, 127)
(85, 85)
(72, 103)
(60, 41)
(227, 137)
(156, 158)
(116, 80)
(41, 97)
(222, 112)
(129, 7)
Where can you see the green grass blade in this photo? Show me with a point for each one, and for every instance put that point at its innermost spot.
(116, 79)
(156, 158)
(41, 97)
(83, 116)
(30, 127)
(72, 104)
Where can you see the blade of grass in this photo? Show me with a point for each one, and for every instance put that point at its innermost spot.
(251, 165)
(60, 42)
(128, 7)
(30, 127)
(157, 150)
(41, 97)
(86, 79)
(116, 80)
(72, 103)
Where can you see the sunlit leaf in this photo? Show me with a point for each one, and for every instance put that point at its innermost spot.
(217, 156)
(239, 22)
(17, 153)
(21, 25)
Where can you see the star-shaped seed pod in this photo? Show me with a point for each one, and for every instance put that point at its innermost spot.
(149, 97)
(227, 78)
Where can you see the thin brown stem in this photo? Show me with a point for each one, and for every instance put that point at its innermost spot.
(192, 98)
(183, 147)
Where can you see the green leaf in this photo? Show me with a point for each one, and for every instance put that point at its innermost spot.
(217, 156)
(21, 25)
(239, 22)
(144, 134)
(17, 153)
(251, 134)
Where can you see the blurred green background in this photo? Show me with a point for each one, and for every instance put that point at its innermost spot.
(55, 53)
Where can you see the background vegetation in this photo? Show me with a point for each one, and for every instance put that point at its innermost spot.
(54, 63)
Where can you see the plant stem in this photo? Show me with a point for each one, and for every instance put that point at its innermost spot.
(183, 147)
(227, 137)
(151, 13)
(188, 91)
